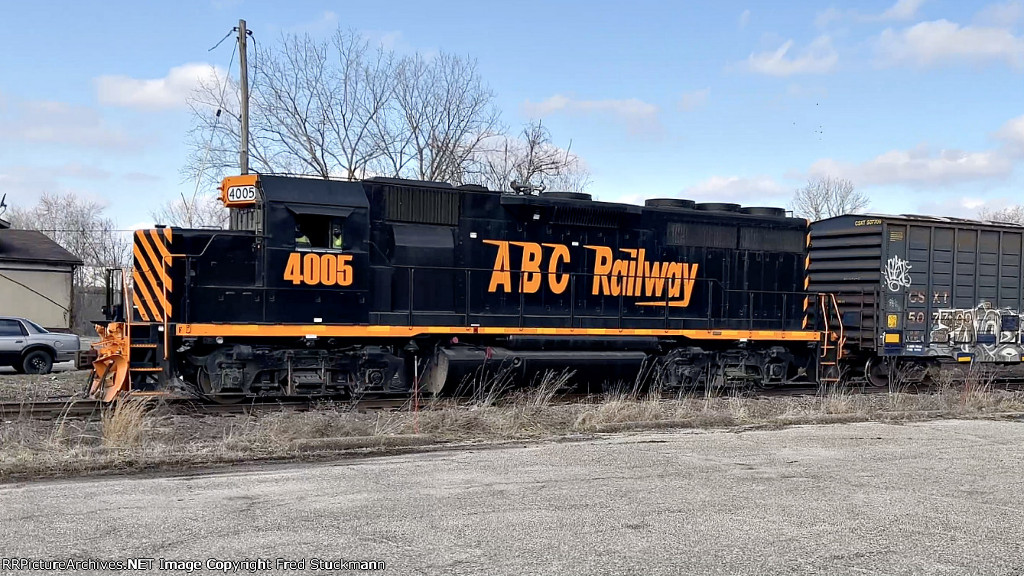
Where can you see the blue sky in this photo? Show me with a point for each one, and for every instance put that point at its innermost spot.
(919, 102)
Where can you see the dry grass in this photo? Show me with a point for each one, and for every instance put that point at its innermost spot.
(124, 422)
(132, 436)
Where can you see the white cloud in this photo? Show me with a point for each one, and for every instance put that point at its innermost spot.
(961, 206)
(388, 40)
(759, 190)
(827, 16)
(165, 93)
(818, 58)
(636, 114)
(1011, 135)
(901, 10)
(48, 122)
(744, 19)
(694, 99)
(143, 225)
(941, 42)
(926, 167)
(752, 191)
(1004, 14)
(919, 167)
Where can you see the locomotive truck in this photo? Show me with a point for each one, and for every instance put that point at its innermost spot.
(342, 288)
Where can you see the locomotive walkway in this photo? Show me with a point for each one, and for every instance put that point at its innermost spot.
(931, 498)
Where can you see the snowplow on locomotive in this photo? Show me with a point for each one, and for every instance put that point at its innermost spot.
(334, 288)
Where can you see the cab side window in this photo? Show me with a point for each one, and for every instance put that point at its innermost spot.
(316, 231)
(11, 328)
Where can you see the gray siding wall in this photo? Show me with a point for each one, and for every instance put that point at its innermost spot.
(40, 292)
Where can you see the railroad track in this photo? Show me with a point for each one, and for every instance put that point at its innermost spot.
(71, 407)
(50, 409)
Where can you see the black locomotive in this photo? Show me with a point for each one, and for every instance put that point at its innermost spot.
(337, 288)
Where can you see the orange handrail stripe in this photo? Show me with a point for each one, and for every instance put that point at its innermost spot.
(371, 331)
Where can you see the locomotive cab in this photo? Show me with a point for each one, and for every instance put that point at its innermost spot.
(309, 251)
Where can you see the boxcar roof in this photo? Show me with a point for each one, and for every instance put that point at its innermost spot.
(925, 219)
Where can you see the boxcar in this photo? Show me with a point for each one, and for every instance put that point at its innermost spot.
(922, 289)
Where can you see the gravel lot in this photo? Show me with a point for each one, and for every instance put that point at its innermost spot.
(62, 382)
(929, 498)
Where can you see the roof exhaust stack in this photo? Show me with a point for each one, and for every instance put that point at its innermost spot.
(527, 188)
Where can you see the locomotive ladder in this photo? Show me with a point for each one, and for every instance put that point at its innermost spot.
(833, 339)
(144, 362)
(145, 367)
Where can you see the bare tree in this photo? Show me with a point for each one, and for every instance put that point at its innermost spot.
(214, 136)
(1012, 214)
(313, 106)
(340, 108)
(531, 158)
(443, 114)
(825, 197)
(80, 227)
(203, 211)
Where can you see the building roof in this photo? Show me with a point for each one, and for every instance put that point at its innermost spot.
(33, 246)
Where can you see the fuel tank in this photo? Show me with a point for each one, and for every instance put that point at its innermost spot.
(461, 370)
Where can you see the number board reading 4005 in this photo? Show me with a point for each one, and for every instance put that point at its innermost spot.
(319, 269)
(242, 194)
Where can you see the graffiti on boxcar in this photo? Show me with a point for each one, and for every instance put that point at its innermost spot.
(896, 274)
(990, 334)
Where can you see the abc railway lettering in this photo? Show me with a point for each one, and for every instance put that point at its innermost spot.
(634, 275)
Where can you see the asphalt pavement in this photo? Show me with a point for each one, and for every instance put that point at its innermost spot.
(933, 498)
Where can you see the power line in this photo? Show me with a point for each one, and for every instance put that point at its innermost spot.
(213, 130)
(221, 41)
(255, 60)
(84, 229)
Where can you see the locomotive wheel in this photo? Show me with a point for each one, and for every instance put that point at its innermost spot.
(877, 372)
(206, 387)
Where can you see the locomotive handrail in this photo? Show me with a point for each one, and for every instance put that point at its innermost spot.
(373, 245)
(209, 241)
(839, 320)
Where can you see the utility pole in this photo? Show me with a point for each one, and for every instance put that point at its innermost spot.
(243, 76)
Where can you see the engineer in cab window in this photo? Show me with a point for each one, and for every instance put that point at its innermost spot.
(301, 240)
(336, 237)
